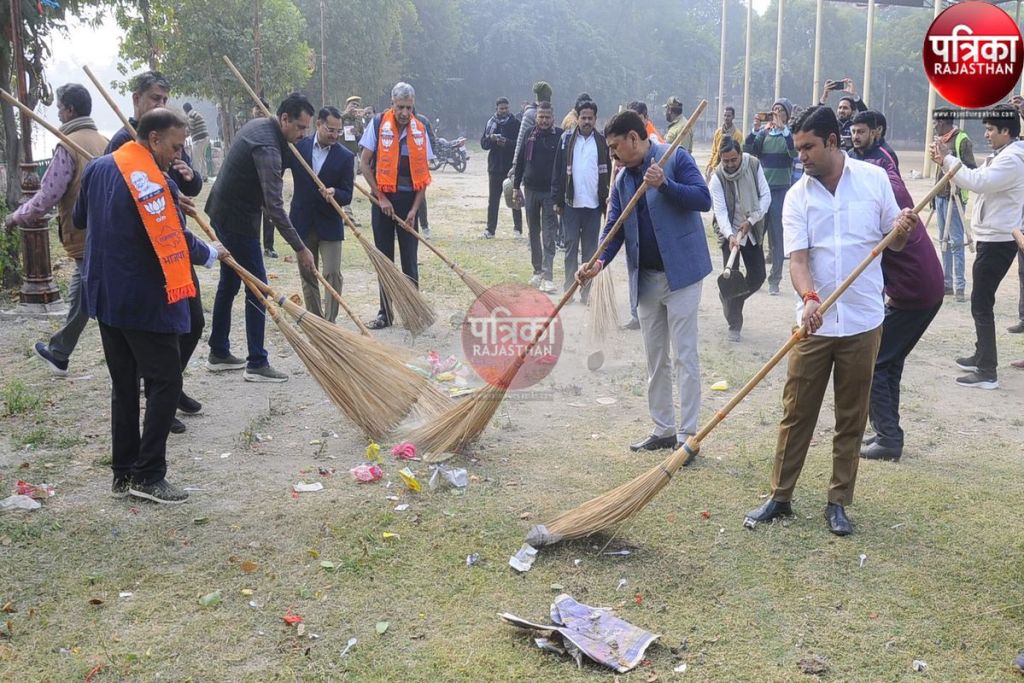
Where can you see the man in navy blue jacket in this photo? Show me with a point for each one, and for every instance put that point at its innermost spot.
(316, 221)
(126, 290)
(667, 254)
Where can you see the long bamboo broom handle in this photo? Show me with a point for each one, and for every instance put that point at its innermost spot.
(341, 302)
(10, 99)
(968, 236)
(1019, 236)
(727, 271)
(109, 99)
(693, 442)
(514, 366)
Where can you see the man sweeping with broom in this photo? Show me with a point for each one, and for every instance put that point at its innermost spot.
(667, 254)
(833, 218)
(135, 236)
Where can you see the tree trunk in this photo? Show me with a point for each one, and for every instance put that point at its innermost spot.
(144, 9)
(12, 144)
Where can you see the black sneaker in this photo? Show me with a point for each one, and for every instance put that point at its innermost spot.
(773, 290)
(1016, 329)
(270, 253)
(215, 363)
(977, 380)
(967, 364)
(264, 374)
(162, 491)
(948, 291)
(57, 367)
(177, 426)
(119, 488)
(189, 405)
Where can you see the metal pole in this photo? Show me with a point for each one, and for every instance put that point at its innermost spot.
(927, 170)
(257, 51)
(868, 50)
(38, 293)
(778, 53)
(817, 51)
(746, 68)
(721, 70)
(323, 59)
(1016, 19)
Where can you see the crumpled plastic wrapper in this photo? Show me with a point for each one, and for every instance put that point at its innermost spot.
(592, 631)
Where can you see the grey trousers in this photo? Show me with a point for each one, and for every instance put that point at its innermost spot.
(668, 320)
(582, 229)
(543, 224)
(327, 256)
(63, 343)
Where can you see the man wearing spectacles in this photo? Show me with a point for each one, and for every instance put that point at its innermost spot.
(316, 221)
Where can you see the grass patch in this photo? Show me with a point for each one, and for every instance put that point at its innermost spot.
(18, 399)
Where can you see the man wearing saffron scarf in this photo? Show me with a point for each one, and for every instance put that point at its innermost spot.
(138, 280)
(394, 161)
(652, 132)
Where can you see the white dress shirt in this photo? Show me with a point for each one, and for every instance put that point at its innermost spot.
(840, 231)
(721, 208)
(319, 154)
(584, 172)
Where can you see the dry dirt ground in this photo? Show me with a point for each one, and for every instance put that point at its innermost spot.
(92, 585)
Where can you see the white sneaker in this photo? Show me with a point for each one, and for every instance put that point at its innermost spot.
(535, 281)
(548, 287)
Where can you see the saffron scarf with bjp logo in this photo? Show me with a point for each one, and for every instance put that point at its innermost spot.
(388, 153)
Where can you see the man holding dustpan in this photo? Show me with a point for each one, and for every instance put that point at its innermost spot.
(667, 254)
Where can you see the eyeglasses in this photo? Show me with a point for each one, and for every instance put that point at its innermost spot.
(332, 131)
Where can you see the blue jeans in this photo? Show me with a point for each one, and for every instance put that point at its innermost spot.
(951, 243)
(773, 229)
(247, 252)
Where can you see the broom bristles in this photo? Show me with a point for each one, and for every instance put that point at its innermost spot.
(611, 508)
(409, 305)
(602, 318)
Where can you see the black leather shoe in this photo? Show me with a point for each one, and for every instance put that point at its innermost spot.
(769, 510)
(654, 443)
(1016, 329)
(378, 323)
(177, 426)
(189, 405)
(837, 521)
(876, 451)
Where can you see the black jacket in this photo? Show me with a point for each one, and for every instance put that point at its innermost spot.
(561, 180)
(535, 173)
(499, 158)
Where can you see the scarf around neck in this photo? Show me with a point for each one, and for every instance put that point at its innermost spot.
(494, 122)
(534, 134)
(741, 192)
(76, 124)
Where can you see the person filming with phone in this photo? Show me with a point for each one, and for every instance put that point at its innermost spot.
(850, 104)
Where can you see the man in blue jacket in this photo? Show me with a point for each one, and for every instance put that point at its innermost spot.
(318, 224)
(138, 282)
(667, 254)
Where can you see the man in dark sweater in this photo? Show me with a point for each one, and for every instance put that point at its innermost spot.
(533, 171)
(249, 185)
(150, 90)
(499, 139)
(137, 278)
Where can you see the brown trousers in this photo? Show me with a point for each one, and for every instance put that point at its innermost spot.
(851, 363)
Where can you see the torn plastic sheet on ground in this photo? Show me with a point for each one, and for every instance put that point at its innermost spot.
(592, 631)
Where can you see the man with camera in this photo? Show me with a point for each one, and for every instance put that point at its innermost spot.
(849, 105)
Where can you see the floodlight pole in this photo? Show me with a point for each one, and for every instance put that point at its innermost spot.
(746, 67)
(817, 51)
(778, 53)
(868, 50)
(721, 70)
(927, 170)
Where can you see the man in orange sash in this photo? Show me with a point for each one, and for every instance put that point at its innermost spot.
(396, 149)
(138, 282)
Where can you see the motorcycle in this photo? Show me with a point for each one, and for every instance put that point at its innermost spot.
(453, 153)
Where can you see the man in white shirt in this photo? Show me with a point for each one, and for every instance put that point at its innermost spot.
(834, 216)
(998, 208)
(579, 189)
(741, 198)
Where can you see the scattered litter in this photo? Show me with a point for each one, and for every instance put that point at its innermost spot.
(557, 587)
(681, 669)
(247, 592)
(124, 594)
(523, 560)
(292, 619)
(315, 442)
(210, 599)
(391, 498)
(382, 627)
(327, 566)
(348, 646)
(388, 535)
(472, 559)
(367, 472)
(248, 566)
(749, 523)
(329, 434)
(307, 488)
(455, 476)
(706, 514)
(37, 491)
(252, 604)
(607, 401)
(550, 646)
(863, 559)
(373, 452)
(300, 629)
(897, 526)
(445, 377)
(638, 599)
(577, 563)
(404, 451)
(438, 366)
(200, 521)
(622, 584)
(594, 632)
(920, 665)
(618, 553)
(577, 404)
(325, 471)
(225, 455)
(19, 503)
(193, 488)
(720, 386)
(402, 508)
(814, 665)
(410, 479)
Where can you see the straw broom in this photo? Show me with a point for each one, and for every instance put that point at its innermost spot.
(601, 317)
(463, 424)
(415, 314)
(619, 504)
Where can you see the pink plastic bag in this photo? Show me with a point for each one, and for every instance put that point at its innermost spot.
(366, 472)
(404, 451)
